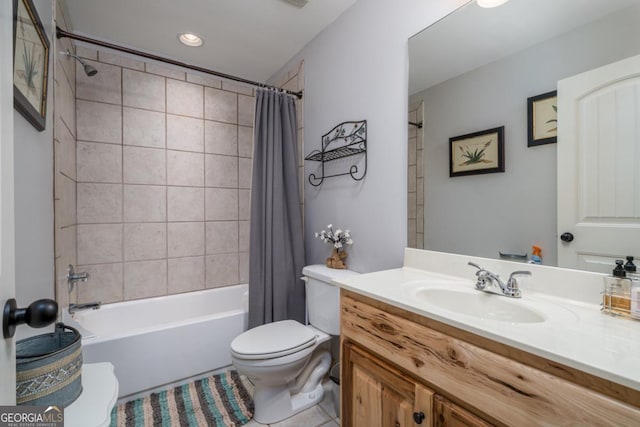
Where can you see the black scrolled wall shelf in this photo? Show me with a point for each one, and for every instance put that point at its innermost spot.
(344, 140)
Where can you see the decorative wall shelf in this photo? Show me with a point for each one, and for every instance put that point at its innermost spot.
(345, 140)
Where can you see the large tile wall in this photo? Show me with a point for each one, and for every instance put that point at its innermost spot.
(163, 179)
(64, 114)
(415, 180)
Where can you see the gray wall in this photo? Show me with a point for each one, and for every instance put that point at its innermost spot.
(483, 214)
(33, 166)
(357, 69)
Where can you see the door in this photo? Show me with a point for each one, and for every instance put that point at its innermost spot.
(599, 166)
(7, 247)
(377, 395)
(448, 414)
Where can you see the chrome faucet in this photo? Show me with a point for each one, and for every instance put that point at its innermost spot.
(491, 282)
(79, 307)
(73, 277)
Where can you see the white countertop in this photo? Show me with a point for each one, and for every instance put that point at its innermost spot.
(99, 394)
(576, 333)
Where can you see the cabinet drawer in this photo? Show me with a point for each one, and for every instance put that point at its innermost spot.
(507, 391)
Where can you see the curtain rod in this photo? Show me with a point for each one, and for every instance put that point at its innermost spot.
(60, 33)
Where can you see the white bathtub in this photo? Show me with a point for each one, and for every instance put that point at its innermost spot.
(162, 340)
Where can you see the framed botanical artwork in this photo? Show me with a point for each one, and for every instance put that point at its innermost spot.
(542, 119)
(477, 153)
(30, 64)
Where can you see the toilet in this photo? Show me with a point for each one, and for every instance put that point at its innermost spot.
(282, 359)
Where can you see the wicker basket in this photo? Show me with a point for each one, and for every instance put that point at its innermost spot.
(49, 367)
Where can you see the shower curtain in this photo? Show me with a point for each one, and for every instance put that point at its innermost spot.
(276, 254)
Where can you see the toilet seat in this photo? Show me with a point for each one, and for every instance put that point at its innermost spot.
(273, 340)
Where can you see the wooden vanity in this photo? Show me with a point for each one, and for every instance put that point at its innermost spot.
(400, 368)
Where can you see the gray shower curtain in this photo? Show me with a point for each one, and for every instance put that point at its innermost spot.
(276, 255)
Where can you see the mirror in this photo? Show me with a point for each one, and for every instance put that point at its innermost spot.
(474, 71)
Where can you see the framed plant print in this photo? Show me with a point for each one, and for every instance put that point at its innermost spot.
(477, 153)
(30, 64)
(542, 119)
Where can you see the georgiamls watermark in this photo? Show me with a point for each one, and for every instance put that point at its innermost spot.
(31, 416)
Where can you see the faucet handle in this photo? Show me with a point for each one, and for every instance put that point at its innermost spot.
(513, 275)
(73, 277)
(512, 284)
(473, 264)
(482, 274)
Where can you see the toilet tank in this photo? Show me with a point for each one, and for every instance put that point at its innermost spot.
(323, 298)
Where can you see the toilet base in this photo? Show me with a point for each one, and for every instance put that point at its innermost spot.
(273, 404)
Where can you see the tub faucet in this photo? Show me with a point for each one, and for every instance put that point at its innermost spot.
(86, 306)
(491, 282)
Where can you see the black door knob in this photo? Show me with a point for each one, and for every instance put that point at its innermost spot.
(39, 314)
(566, 237)
(418, 417)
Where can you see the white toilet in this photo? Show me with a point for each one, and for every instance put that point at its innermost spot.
(282, 360)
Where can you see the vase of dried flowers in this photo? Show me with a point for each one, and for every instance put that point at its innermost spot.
(336, 260)
(338, 239)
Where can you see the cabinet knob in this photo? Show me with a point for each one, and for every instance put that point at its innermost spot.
(418, 417)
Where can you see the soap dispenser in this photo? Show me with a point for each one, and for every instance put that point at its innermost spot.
(617, 291)
(630, 269)
(632, 274)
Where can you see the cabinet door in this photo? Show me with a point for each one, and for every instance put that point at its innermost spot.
(448, 414)
(376, 395)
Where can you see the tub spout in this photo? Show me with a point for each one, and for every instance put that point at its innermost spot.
(78, 307)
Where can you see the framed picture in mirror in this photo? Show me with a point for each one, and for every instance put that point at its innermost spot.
(30, 64)
(542, 119)
(477, 153)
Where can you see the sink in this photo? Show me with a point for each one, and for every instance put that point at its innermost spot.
(480, 305)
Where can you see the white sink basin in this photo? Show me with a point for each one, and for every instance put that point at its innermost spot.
(459, 299)
(480, 304)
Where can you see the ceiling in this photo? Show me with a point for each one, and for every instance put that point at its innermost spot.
(251, 39)
(473, 36)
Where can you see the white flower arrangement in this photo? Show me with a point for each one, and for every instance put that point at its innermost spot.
(338, 239)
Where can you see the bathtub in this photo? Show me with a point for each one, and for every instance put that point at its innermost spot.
(158, 341)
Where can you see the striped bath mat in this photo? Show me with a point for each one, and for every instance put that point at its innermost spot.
(220, 400)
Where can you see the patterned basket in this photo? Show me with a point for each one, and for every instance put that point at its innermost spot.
(49, 367)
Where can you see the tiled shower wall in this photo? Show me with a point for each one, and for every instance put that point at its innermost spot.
(163, 179)
(65, 157)
(415, 184)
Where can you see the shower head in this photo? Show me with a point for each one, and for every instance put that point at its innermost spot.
(89, 70)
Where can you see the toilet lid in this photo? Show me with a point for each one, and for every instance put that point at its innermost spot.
(273, 340)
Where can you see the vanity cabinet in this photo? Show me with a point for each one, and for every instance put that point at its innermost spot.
(395, 363)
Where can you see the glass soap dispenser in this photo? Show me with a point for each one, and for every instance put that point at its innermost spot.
(632, 273)
(631, 270)
(617, 291)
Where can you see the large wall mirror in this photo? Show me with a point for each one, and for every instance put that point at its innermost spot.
(474, 71)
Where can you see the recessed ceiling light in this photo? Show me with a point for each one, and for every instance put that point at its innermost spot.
(190, 39)
(491, 3)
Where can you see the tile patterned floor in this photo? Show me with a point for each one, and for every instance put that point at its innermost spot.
(323, 414)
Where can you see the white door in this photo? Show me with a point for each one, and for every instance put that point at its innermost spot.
(599, 166)
(7, 247)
